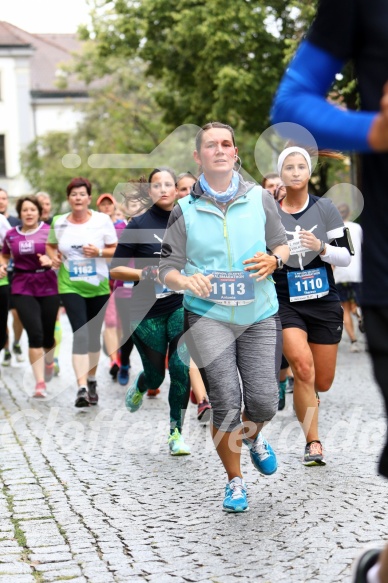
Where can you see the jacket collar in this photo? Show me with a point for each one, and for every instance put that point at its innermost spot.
(244, 187)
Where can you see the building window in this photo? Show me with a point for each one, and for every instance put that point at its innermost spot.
(2, 156)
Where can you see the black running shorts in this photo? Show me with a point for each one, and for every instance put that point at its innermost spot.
(349, 292)
(321, 320)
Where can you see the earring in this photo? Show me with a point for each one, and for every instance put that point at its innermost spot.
(238, 162)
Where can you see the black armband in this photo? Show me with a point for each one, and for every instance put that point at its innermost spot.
(345, 241)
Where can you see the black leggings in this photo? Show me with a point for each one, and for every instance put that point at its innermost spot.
(86, 317)
(38, 316)
(4, 305)
(376, 329)
(126, 344)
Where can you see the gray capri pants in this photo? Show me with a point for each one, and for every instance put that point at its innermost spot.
(223, 352)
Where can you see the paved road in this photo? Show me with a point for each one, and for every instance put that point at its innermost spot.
(93, 495)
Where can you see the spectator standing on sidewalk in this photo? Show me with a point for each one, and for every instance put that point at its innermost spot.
(348, 280)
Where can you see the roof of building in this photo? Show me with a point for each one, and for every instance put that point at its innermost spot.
(50, 50)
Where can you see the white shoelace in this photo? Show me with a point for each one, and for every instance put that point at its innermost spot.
(260, 448)
(238, 489)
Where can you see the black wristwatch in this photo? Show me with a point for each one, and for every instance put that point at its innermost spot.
(279, 262)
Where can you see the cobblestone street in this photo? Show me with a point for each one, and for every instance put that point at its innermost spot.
(94, 496)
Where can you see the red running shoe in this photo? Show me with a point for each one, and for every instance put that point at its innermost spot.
(40, 390)
(193, 398)
(204, 411)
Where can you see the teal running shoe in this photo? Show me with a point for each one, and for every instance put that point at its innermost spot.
(282, 394)
(133, 397)
(235, 496)
(262, 455)
(177, 444)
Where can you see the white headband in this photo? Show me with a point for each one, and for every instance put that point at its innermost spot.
(292, 150)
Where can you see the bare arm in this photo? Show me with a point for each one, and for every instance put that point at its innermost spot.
(378, 133)
(107, 252)
(3, 265)
(125, 273)
(53, 253)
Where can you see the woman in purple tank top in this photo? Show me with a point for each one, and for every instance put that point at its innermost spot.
(34, 287)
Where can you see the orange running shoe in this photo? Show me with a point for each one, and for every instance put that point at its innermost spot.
(152, 393)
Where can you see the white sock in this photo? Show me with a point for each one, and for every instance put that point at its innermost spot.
(252, 439)
(372, 575)
(91, 378)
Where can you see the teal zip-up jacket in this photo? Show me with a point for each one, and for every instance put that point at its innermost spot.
(200, 237)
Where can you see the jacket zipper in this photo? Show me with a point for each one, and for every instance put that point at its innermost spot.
(227, 242)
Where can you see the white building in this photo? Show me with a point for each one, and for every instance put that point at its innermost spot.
(30, 102)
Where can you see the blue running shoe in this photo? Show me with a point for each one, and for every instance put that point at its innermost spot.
(133, 397)
(235, 496)
(123, 375)
(262, 455)
(177, 444)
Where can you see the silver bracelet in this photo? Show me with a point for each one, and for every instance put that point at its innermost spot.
(322, 248)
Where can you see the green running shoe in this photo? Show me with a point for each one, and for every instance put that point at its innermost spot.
(16, 349)
(7, 358)
(177, 444)
(133, 397)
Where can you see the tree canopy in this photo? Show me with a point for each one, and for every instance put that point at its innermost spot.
(215, 59)
(166, 63)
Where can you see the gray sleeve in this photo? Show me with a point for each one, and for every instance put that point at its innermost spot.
(173, 254)
(332, 215)
(275, 233)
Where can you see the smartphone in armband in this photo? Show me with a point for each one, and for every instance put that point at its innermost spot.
(345, 241)
(348, 239)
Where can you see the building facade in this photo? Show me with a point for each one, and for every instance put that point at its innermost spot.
(30, 102)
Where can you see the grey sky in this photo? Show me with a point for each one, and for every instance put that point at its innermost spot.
(45, 15)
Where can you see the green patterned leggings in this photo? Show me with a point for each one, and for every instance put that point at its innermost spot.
(152, 337)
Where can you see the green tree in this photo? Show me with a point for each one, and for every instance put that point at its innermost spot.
(212, 59)
(120, 117)
(216, 59)
(157, 64)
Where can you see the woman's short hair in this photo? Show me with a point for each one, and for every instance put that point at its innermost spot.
(77, 183)
(29, 198)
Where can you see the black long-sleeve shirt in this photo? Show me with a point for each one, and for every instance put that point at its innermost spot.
(142, 240)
